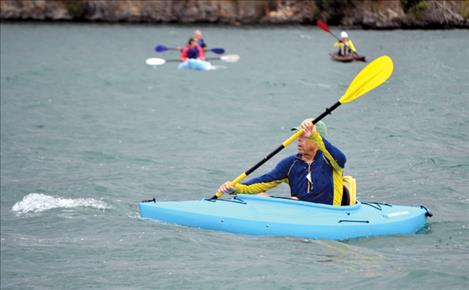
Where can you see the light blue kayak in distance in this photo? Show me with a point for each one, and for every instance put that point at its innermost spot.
(270, 216)
(196, 64)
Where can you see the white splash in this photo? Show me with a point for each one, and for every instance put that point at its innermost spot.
(38, 202)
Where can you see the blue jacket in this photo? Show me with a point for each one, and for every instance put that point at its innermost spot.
(293, 170)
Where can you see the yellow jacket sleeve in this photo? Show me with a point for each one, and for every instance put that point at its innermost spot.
(317, 139)
(257, 187)
(352, 47)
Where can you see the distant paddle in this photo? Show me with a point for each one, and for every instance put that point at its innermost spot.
(159, 61)
(325, 28)
(372, 76)
(163, 48)
(226, 58)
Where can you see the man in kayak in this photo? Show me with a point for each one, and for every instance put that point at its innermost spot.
(192, 50)
(345, 45)
(200, 39)
(314, 174)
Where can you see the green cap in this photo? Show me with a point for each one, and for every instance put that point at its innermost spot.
(320, 127)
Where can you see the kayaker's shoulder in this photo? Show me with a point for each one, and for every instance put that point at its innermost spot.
(291, 158)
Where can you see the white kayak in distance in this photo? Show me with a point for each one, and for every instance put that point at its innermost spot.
(196, 64)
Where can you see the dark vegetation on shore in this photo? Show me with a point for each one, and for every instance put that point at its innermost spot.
(367, 14)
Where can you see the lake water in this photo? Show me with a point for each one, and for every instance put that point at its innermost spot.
(88, 130)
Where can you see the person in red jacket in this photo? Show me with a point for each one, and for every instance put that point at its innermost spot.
(192, 50)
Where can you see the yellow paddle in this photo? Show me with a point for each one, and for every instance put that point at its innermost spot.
(372, 76)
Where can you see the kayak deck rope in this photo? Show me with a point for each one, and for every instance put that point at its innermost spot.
(377, 205)
(234, 199)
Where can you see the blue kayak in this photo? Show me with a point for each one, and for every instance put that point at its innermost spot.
(196, 64)
(270, 216)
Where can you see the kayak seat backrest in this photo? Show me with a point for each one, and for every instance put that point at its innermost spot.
(349, 196)
(345, 197)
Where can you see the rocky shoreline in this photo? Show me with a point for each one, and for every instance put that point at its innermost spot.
(366, 14)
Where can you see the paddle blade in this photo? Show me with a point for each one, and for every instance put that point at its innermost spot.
(230, 58)
(323, 25)
(218, 50)
(155, 61)
(161, 48)
(372, 76)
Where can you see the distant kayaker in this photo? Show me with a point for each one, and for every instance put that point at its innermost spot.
(345, 45)
(192, 50)
(314, 174)
(200, 39)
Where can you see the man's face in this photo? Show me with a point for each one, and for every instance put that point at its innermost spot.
(305, 146)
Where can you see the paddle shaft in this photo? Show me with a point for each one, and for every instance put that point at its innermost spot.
(212, 58)
(163, 48)
(288, 141)
(206, 59)
(173, 60)
(285, 143)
